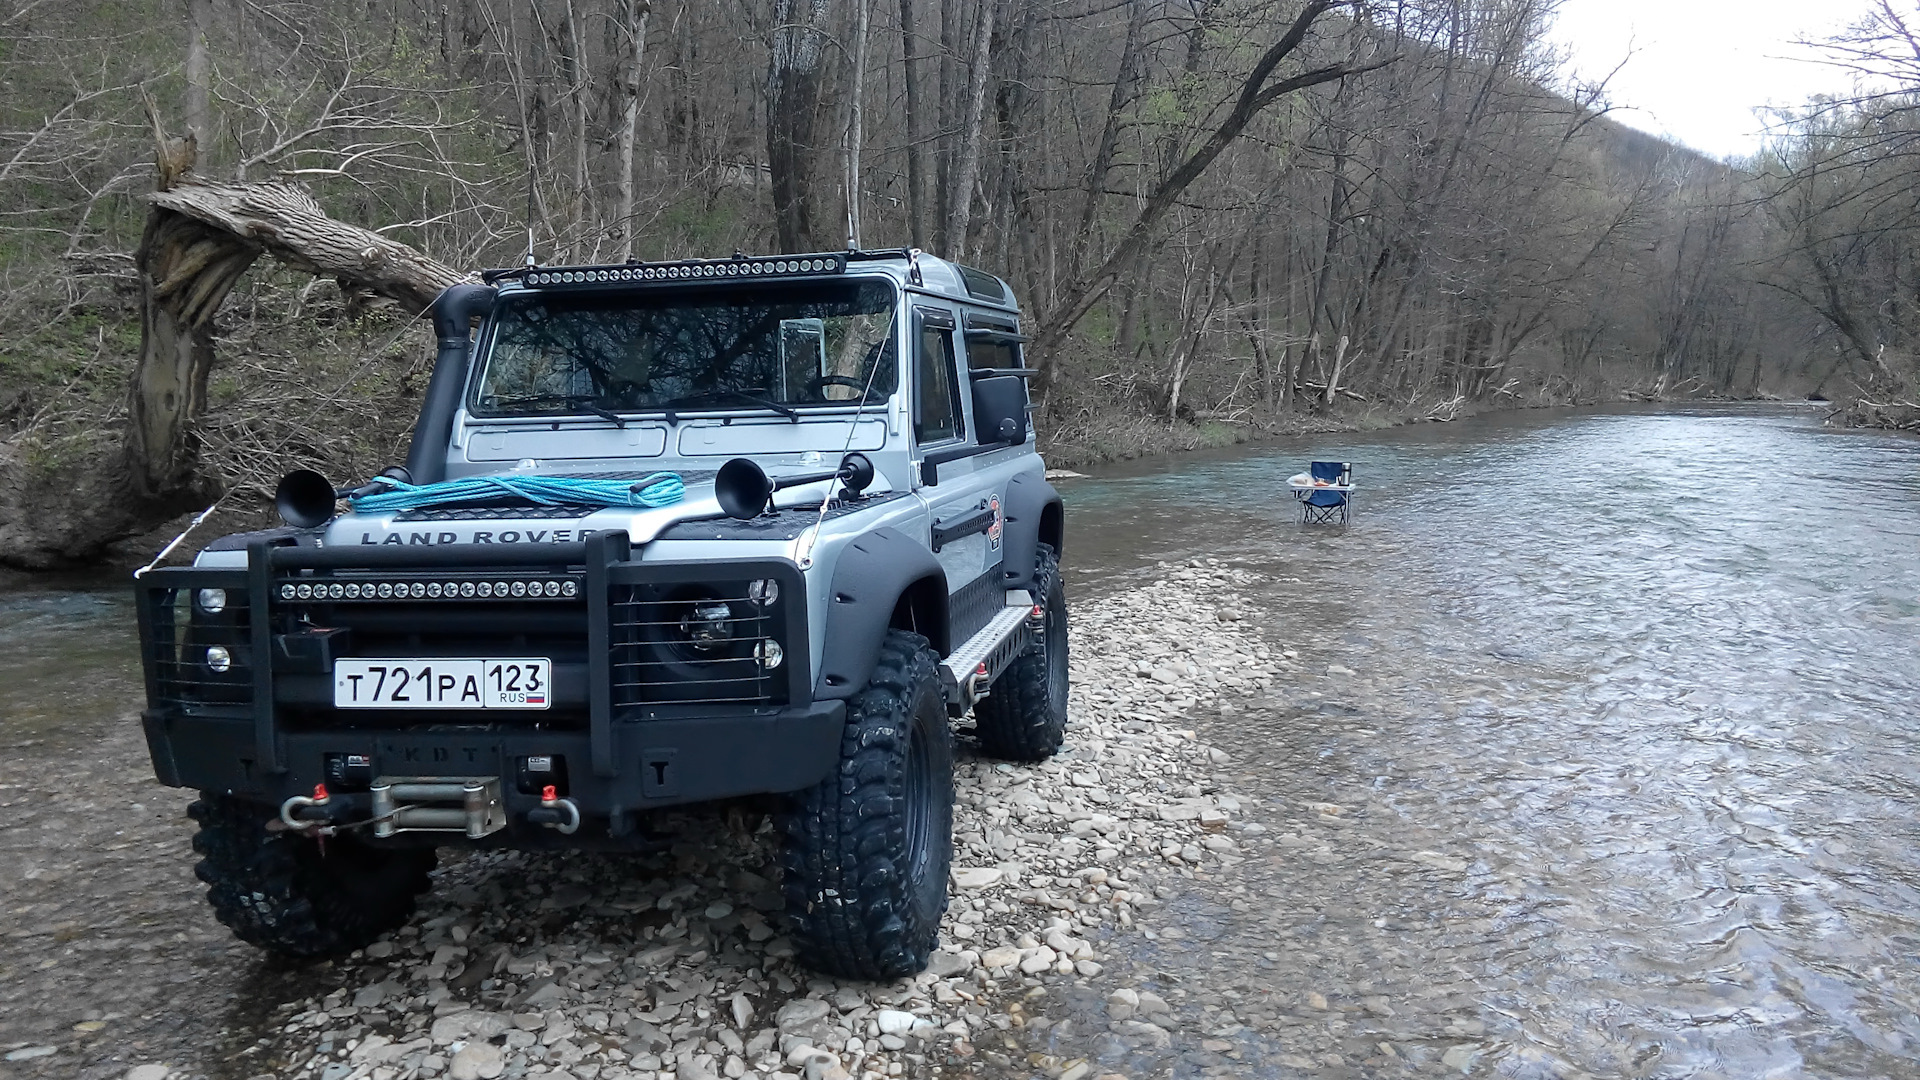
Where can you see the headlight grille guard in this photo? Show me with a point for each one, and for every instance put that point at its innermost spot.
(602, 564)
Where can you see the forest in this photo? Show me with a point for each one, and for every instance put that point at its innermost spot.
(1223, 217)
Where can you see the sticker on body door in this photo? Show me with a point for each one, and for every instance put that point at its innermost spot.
(999, 520)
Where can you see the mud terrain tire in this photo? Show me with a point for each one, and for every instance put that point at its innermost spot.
(866, 851)
(1024, 716)
(283, 893)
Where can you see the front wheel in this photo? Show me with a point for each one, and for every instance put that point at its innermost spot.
(866, 851)
(290, 894)
(1024, 716)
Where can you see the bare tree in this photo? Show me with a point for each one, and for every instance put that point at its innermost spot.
(795, 77)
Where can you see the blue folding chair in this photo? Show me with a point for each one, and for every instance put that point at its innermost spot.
(1327, 497)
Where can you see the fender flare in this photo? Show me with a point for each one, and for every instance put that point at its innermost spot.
(1034, 515)
(872, 576)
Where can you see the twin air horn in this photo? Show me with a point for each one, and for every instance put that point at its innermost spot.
(306, 499)
(745, 490)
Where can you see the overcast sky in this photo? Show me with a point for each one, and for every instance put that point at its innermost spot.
(1696, 69)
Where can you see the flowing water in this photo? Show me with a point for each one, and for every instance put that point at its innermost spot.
(1599, 760)
(1602, 759)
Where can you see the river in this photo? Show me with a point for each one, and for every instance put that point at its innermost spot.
(1634, 688)
(1641, 683)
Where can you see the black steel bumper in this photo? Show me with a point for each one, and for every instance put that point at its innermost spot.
(264, 729)
(660, 762)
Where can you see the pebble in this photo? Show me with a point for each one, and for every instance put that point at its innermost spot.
(148, 1072)
(976, 877)
(477, 1061)
(30, 1053)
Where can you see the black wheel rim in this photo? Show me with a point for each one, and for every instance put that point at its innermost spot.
(916, 791)
(1055, 643)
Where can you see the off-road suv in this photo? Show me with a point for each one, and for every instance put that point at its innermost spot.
(830, 535)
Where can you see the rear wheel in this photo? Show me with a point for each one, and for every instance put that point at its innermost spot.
(1024, 716)
(866, 851)
(288, 894)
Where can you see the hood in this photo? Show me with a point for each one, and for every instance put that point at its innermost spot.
(483, 524)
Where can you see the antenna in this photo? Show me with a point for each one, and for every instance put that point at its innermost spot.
(531, 261)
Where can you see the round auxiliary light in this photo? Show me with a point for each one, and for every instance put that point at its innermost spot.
(519, 588)
(219, 660)
(433, 590)
(211, 601)
(764, 591)
(467, 589)
(418, 590)
(336, 591)
(552, 588)
(304, 592)
(569, 589)
(485, 588)
(287, 592)
(500, 588)
(353, 591)
(769, 653)
(386, 590)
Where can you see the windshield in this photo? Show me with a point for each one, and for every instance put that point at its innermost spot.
(775, 346)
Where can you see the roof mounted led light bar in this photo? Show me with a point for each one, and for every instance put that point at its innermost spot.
(742, 267)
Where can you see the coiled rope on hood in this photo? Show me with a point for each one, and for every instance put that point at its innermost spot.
(659, 489)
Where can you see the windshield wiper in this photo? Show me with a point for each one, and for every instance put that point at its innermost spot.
(787, 411)
(572, 401)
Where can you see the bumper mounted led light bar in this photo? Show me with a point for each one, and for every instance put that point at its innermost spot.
(501, 588)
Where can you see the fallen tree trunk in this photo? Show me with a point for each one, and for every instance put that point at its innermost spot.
(200, 238)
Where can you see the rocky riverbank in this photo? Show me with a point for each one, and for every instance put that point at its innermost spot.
(673, 965)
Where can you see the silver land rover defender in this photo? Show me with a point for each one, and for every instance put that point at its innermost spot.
(830, 534)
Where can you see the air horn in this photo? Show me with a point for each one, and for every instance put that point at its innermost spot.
(305, 498)
(745, 490)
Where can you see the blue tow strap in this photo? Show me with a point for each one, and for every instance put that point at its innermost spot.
(660, 489)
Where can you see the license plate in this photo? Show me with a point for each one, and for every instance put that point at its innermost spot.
(439, 683)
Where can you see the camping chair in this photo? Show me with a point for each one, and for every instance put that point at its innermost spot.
(1328, 498)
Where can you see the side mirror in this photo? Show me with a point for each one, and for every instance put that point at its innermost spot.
(1000, 409)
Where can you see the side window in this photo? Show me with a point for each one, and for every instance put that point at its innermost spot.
(936, 401)
(985, 351)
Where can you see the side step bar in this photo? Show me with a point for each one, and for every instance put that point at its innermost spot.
(971, 668)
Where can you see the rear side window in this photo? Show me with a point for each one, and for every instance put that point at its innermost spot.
(936, 402)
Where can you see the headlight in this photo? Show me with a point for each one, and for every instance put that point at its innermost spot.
(211, 601)
(219, 660)
(709, 625)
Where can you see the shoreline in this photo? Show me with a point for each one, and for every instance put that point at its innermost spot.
(1104, 439)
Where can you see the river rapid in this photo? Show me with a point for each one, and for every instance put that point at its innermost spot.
(1597, 759)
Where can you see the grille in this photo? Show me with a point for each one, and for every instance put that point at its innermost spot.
(695, 643)
(178, 649)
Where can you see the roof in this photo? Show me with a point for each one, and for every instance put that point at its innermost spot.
(914, 270)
